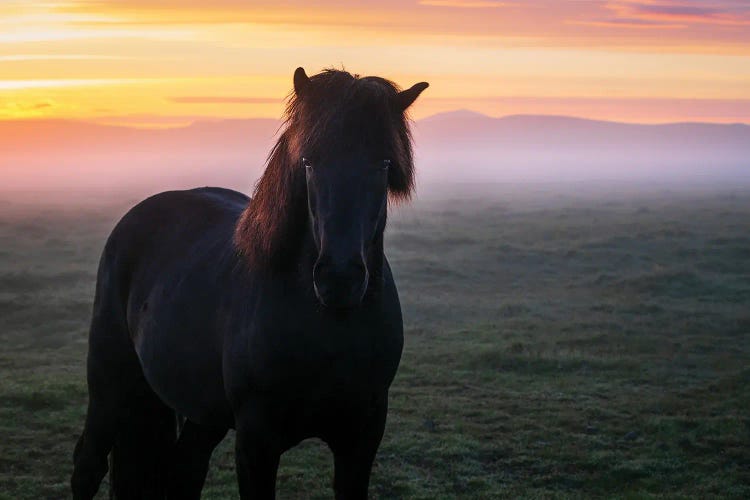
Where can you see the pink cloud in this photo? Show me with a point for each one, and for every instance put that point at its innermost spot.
(464, 4)
(711, 25)
(727, 13)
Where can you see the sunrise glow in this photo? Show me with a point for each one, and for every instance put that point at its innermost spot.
(171, 62)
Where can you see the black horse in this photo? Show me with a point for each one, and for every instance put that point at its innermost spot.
(276, 316)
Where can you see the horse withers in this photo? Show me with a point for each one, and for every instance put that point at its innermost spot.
(276, 316)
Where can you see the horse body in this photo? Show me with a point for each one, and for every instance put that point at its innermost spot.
(212, 311)
(206, 310)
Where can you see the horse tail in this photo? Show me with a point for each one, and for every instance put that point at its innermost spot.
(140, 459)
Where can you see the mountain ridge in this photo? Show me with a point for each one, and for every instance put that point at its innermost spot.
(461, 113)
(459, 125)
(572, 118)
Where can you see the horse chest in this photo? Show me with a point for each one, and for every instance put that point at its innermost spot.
(319, 359)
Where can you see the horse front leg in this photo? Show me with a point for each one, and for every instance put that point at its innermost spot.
(190, 457)
(354, 450)
(257, 457)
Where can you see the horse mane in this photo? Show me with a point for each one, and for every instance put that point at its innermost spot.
(337, 109)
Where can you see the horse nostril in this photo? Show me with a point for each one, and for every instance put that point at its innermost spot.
(327, 268)
(340, 283)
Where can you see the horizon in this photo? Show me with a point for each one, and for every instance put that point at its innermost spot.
(190, 121)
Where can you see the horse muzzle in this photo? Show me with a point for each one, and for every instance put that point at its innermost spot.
(340, 284)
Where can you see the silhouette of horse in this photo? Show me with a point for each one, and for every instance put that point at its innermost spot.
(276, 316)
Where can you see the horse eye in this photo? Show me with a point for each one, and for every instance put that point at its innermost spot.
(386, 164)
(306, 163)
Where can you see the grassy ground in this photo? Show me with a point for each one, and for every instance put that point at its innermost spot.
(556, 346)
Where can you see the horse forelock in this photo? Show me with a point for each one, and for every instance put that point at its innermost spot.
(337, 110)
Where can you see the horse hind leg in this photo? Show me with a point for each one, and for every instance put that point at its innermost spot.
(112, 372)
(143, 447)
(125, 419)
(124, 416)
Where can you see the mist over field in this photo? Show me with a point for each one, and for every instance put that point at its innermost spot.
(84, 160)
(576, 300)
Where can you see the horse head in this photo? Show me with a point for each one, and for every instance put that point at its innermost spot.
(345, 151)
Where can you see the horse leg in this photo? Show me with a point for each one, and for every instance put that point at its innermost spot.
(146, 436)
(354, 452)
(92, 448)
(190, 457)
(257, 458)
(112, 370)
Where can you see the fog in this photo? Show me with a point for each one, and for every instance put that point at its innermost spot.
(458, 153)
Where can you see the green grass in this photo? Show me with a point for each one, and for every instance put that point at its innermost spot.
(556, 346)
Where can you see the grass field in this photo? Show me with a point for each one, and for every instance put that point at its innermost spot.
(557, 345)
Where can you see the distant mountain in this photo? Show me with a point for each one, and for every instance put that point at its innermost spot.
(455, 146)
(52, 154)
(57, 135)
(526, 146)
(562, 130)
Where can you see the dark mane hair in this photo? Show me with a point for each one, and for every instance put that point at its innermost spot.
(336, 109)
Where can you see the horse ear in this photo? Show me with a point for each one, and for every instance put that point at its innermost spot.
(408, 96)
(301, 81)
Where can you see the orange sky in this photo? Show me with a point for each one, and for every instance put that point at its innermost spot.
(170, 62)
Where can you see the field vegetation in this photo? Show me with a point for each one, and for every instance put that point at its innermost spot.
(558, 344)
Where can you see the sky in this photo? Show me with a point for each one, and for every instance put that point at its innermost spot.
(165, 63)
